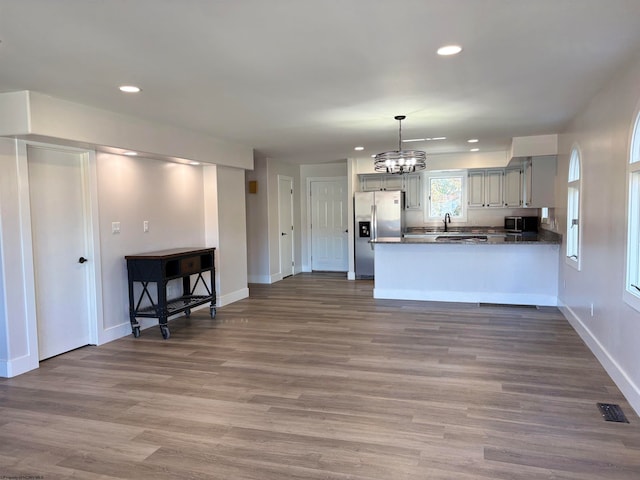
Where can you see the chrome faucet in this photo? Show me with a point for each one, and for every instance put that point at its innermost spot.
(447, 216)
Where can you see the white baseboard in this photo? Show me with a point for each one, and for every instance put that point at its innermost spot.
(118, 331)
(466, 297)
(629, 389)
(259, 278)
(232, 297)
(18, 366)
(276, 277)
(351, 275)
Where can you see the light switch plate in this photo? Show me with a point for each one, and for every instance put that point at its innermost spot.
(115, 227)
(145, 226)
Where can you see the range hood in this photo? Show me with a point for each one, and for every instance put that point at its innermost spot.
(533, 146)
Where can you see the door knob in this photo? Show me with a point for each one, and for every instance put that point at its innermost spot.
(82, 260)
(283, 234)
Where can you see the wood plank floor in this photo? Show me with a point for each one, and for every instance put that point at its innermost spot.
(310, 378)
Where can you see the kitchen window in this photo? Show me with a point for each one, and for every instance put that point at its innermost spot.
(573, 210)
(446, 193)
(632, 290)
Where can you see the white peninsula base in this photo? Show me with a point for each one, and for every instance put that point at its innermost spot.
(520, 274)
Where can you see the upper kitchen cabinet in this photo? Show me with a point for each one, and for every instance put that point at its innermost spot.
(413, 189)
(410, 183)
(530, 182)
(539, 178)
(485, 188)
(536, 157)
(513, 187)
(375, 181)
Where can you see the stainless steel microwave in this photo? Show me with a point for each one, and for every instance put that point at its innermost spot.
(521, 224)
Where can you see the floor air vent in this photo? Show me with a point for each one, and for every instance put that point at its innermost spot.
(483, 304)
(612, 412)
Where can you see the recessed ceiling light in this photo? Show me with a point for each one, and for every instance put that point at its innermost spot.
(474, 150)
(359, 148)
(194, 163)
(437, 138)
(449, 50)
(473, 140)
(129, 89)
(130, 153)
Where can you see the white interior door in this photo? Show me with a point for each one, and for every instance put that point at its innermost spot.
(285, 222)
(329, 229)
(59, 229)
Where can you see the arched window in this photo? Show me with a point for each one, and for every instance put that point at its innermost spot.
(632, 294)
(573, 210)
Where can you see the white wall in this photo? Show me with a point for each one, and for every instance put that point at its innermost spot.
(18, 344)
(232, 248)
(488, 217)
(602, 131)
(262, 219)
(131, 190)
(258, 224)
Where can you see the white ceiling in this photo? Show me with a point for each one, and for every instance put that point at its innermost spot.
(306, 81)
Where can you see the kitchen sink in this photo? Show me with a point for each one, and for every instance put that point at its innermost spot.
(461, 238)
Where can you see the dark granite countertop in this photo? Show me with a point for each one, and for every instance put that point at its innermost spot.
(474, 236)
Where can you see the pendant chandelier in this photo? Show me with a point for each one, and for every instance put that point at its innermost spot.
(400, 161)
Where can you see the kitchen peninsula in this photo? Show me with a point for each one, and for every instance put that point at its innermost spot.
(476, 266)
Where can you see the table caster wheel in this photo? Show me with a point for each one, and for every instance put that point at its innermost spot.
(136, 332)
(165, 332)
(212, 312)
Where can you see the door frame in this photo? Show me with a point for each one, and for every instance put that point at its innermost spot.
(92, 235)
(309, 241)
(293, 245)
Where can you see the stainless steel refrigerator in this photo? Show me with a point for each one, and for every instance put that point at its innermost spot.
(376, 215)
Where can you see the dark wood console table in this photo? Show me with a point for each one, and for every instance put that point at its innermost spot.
(160, 267)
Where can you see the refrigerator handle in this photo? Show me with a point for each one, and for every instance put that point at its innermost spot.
(374, 224)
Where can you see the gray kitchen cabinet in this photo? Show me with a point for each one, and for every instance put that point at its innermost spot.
(413, 191)
(371, 182)
(513, 187)
(539, 181)
(475, 188)
(493, 188)
(485, 188)
(394, 182)
(410, 183)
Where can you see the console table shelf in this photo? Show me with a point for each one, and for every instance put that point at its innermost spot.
(161, 267)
